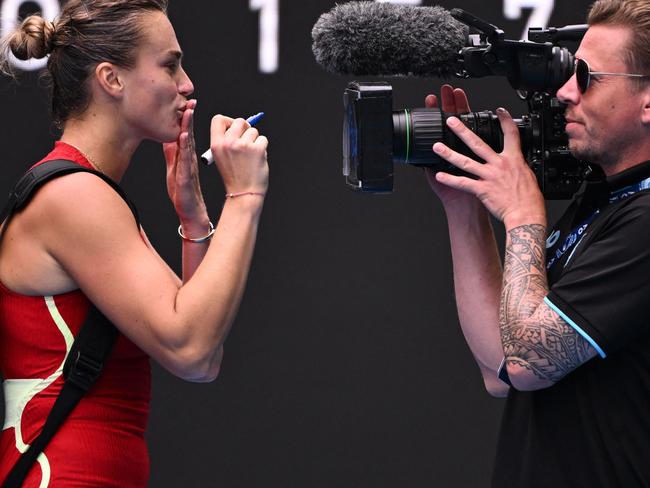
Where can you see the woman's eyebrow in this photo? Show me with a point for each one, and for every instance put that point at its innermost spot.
(176, 54)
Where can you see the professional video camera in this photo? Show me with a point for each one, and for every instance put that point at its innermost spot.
(375, 137)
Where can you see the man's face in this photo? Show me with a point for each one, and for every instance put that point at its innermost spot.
(605, 121)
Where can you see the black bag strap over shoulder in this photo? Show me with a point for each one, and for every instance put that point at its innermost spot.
(82, 368)
(93, 344)
(36, 177)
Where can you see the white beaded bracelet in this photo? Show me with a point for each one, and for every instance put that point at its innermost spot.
(198, 240)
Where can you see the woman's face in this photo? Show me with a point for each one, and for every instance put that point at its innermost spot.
(156, 88)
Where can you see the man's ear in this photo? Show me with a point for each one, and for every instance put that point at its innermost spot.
(645, 115)
(109, 80)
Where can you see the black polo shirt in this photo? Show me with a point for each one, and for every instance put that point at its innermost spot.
(592, 428)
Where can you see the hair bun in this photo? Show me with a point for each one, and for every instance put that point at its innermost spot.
(34, 39)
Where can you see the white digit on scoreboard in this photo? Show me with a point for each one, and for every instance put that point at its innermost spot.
(269, 33)
(9, 17)
(539, 17)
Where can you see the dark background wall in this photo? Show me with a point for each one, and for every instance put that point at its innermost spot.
(346, 366)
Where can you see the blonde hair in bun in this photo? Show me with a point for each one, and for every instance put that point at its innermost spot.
(34, 39)
(86, 33)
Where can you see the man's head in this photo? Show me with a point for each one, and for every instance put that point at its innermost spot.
(634, 14)
(609, 123)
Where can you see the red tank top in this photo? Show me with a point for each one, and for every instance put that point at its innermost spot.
(102, 441)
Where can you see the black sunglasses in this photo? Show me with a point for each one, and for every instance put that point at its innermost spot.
(584, 74)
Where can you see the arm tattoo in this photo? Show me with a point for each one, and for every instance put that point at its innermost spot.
(534, 336)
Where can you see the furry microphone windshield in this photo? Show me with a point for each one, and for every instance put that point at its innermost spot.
(369, 38)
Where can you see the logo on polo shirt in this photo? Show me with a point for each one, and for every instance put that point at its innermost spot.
(552, 239)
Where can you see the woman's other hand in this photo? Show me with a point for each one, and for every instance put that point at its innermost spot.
(240, 155)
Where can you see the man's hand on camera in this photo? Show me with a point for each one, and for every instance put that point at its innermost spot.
(454, 101)
(505, 184)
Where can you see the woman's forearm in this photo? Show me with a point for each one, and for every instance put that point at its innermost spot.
(208, 302)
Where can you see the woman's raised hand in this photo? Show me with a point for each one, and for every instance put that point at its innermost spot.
(240, 154)
(183, 184)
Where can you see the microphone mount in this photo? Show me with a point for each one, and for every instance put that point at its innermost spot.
(528, 65)
(557, 34)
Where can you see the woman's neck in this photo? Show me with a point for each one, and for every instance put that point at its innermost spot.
(105, 147)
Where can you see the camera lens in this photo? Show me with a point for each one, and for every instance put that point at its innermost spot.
(415, 131)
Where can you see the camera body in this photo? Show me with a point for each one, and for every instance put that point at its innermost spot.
(375, 137)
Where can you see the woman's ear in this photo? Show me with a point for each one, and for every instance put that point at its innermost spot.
(108, 78)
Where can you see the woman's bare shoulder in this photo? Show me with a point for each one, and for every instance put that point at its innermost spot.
(62, 220)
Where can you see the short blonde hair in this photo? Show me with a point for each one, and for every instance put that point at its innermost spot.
(635, 15)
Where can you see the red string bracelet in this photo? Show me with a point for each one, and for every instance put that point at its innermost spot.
(242, 193)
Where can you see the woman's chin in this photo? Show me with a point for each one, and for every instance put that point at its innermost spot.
(169, 134)
(172, 136)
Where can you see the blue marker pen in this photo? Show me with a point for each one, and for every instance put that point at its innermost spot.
(207, 158)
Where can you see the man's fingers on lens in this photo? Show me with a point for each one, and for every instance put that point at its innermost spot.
(431, 101)
(511, 139)
(457, 182)
(471, 140)
(448, 100)
(459, 160)
(460, 100)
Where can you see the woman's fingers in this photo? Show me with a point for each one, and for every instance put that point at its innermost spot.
(262, 142)
(250, 135)
(237, 128)
(187, 121)
(240, 154)
(169, 150)
(220, 124)
(187, 161)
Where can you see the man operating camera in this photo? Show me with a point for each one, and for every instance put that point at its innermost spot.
(562, 326)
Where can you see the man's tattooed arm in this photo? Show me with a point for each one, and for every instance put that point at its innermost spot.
(539, 346)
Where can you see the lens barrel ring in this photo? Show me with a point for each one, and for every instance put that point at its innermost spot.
(415, 133)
